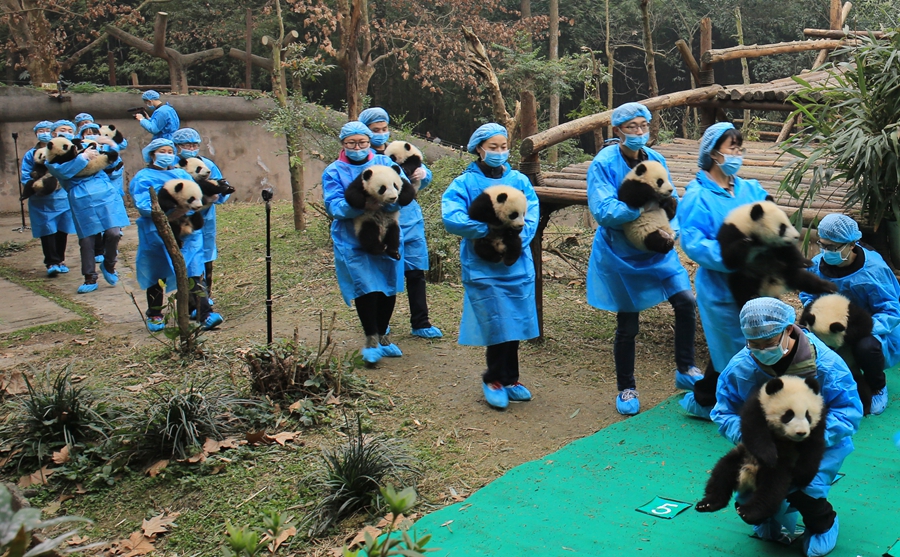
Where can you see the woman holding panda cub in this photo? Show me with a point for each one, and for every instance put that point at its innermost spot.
(499, 307)
(153, 263)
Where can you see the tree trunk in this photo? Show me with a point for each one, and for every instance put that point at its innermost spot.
(745, 66)
(650, 63)
(352, 40)
(554, 55)
(610, 52)
(298, 195)
(526, 15)
(34, 39)
(477, 59)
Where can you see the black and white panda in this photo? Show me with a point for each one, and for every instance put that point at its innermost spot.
(40, 181)
(200, 172)
(408, 156)
(378, 231)
(648, 182)
(840, 324)
(111, 132)
(759, 243)
(782, 443)
(60, 150)
(503, 208)
(177, 198)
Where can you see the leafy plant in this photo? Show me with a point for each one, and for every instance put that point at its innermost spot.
(170, 318)
(249, 541)
(242, 542)
(16, 529)
(352, 473)
(386, 545)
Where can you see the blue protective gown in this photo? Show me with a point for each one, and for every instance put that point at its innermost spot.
(358, 272)
(412, 226)
(499, 303)
(701, 213)
(153, 262)
(162, 123)
(622, 278)
(844, 409)
(210, 252)
(116, 171)
(96, 206)
(48, 214)
(875, 289)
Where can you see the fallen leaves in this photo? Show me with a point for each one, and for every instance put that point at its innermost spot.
(157, 467)
(83, 342)
(13, 384)
(157, 525)
(39, 477)
(61, 456)
(142, 542)
(282, 537)
(136, 544)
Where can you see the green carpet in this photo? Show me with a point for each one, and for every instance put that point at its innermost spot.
(581, 500)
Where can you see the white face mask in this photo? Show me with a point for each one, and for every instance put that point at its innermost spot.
(771, 355)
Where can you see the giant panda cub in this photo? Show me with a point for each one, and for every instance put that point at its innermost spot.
(177, 198)
(782, 443)
(648, 182)
(60, 150)
(40, 182)
(840, 324)
(408, 156)
(111, 132)
(759, 244)
(503, 208)
(378, 231)
(200, 173)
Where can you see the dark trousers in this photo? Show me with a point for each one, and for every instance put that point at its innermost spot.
(627, 325)
(99, 245)
(818, 514)
(502, 363)
(156, 299)
(870, 360)
(418, 305)
(207, 276)
(54, 248)
(374, 310)
(88, 251)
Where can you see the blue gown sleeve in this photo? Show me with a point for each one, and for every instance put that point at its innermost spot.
(139, 187)
(426, 181)
(698, 235)
(884, 299)
(154, 124)
(602, 201)
(333, 193)
(727, 411)
(533, 213)
(455, 212)
(27, 166)
(67, 170)
(841, 398)
(123, 145)
(216, 174)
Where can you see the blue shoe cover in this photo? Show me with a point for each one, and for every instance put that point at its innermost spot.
(781, 528)
(211, 301)
(390, 350)
(63, 269)
(686, 380)
(879, 401)
(155, 324)
(430, 332)
(388, 331)
(98, 258)
(689, 403)
(627, 402)
(371, 355)
(85, 288)
(212, 321)
(111, 278)
(495, 395)
(817, 545)
(52, 270)
(193, 314)
(517, 392)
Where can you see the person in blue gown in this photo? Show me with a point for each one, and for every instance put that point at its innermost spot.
(153, 263)
(91, 131)
(499, 307)
(370, 282)
(96, 208)
(708, 199)
(865, 279)
(163, 122)
(624, 279)
(187, 141)
(776, 347)
(81, 120)
(412, 224)
(50, 216)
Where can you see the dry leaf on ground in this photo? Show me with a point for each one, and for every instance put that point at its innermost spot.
(360, 537)
(333, 400)
(134, 388)
(136, 544)
(157, 525)
(77, 540)
(282, 537)
(4, 460)
(283, 437)
(61, 456)
(156, 468)
(255, 438)
(13, 383)
(40, 477)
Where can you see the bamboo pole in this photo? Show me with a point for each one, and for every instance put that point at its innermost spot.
(756, 51)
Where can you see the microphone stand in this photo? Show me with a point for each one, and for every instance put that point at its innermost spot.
(24, 227)
(267, 195)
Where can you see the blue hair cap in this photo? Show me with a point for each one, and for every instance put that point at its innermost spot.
(355, 128)
(186, 135)
(630, 111)
(484, 133)
(153, 146)
(765, 318)
(83, 117)
(43, 124)
(839, 229)
(150, 95)
(708, 141)
(60, 123)
(372, 115)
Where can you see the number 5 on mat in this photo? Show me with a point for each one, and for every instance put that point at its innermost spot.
(664, 508)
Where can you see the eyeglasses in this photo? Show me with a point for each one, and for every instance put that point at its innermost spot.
(733, 151)
(764, 343)
(635, 128)
(356, 144)
(830, 247)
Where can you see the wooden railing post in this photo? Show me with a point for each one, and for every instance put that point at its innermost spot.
(531, 167)
(707, 74)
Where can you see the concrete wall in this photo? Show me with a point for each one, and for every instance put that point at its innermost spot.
(250, 157)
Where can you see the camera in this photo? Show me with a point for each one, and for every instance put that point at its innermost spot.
(15, 136)
(139, 110)
(268, 194)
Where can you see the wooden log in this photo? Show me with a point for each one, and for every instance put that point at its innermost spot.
(760, 122)
(688, 58)
(705, 43)
(741, 105)
(755, 50)
(547, 138)
(258, 61)
(531, 167)
(839, 34)
(178, 265)
(836, 23)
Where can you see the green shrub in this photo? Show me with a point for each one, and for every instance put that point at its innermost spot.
(16, 529)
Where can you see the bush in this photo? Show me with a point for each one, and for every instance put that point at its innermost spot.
(16, 527)
(443, 247)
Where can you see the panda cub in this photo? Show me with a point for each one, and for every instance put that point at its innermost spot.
(200, 172)
(648, 182)
(840, 324)
(408, 156)
(782, 443)
(177, 198)
(378, 231)
(111, 132)
(503, 208)
(60, 150)
(40, 182)
(759, 244)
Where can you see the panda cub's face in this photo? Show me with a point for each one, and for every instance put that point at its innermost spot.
(382, 183)
(186, 193)
(765, 221)
(655, 175)
(400, 151)
(40, 155)
(195, 167)
(793, 406)
(510, 206)
(57, 147)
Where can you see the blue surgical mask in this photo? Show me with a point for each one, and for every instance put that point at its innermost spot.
(150, 108)
(67, 135)
(834, 257)
(163, 160)
(90, 137)
(185, 154)
(44, 137)
(731, 164)
(770, 356)
(357, 155)
(379, 139)
(495, 158)
(636, 142)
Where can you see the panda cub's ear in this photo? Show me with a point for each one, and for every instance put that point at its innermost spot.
(367, 174)
(502, 198)
(397, 169)
(640, 169)
(812, 384)
(182, 162)
(774, 386)
(179, 186)
(757, 212)
(837, 328)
